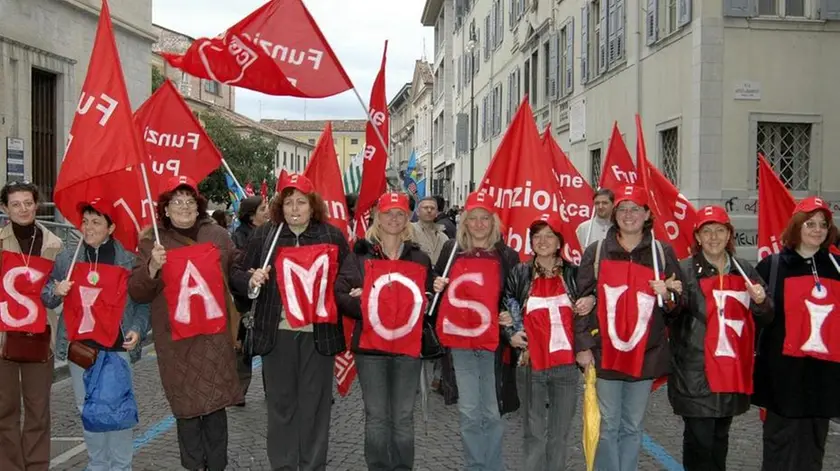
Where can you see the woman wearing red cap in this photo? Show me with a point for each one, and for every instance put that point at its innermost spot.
(623, 395)
(797, 377)
(389, 382)
(556, 383)
(198, 400)
(704, 388)
(297, 362)
(477, 371)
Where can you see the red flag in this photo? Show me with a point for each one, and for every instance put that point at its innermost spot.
(730, 335)
(249, 190)
(521, 181)
(264, 190)
(393, 306)
(305, 277)
(323, 171)
(577, 194)
(93, 309)
(812, 327)
(21, 309)
(774, 210)
(549, 319)
(103, 146)
(278, 49)
(625, 309)
(468, 316)
(173, 139)
(376, 156)
(195, 291)
(618, 169)
(283, 176)
(344, 371)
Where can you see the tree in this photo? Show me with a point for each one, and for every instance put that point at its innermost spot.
(251, 158)
(157, 78)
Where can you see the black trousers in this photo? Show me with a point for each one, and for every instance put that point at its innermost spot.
(706, 443)
(203, 441)
(793, 444)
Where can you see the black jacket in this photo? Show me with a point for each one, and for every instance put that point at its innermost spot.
(241, 235)
(688, 387)
(789, 386)
(352, 275)
(448, 226)
(329, 338)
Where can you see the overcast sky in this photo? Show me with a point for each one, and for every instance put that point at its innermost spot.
(355, 29)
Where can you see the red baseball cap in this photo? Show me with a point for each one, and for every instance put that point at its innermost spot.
(183, 180)
(813, 203)
(711, 214)
(100, 205)
(553, 221)
(393, 200)
(296, 181)
(481, 200)
(633, 193)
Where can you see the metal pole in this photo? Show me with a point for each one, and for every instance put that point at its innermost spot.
(472, 136)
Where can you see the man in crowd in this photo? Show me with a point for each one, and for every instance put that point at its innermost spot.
(444, 219)
(603, 202)
(428, 232)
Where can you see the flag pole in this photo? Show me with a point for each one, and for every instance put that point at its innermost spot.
(375, 129)
(75, 256)
(589, 229)
(149, 195)
(235, 181)
(656, 273)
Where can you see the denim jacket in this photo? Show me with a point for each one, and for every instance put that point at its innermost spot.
(135, 316)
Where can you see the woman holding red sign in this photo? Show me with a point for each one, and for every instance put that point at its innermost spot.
(625, 338)
(383, 285)
(477, 363)
(713, 341)
(197, 368)
(797, 363)
(545, 290)
(297, 351)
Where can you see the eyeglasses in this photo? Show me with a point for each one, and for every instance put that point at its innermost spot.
(816, 224)
(183, 203)
(635, 210)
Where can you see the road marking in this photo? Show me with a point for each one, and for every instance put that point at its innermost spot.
(67, 439)
(67, 455)
(660, 454)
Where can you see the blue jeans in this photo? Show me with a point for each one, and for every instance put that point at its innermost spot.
(481, 424)
(106, 451)
(389, 391)
(549, 399)
(623, 405)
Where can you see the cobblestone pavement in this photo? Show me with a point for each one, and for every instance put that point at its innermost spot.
(438, 444)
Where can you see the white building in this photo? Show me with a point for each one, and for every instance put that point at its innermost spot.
(45, 47)
(715, 82)
(422, 90)
(401, 138)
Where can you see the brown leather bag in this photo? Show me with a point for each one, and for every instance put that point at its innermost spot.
(24, 347)
(82, 355)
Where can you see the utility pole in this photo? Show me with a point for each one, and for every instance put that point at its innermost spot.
(471, 48)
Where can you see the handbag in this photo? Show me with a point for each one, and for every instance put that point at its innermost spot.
(109, 405)
(24, 347)
(82, 355)
(430, 347)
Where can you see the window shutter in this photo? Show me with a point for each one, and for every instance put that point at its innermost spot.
(604, 28)
(619, 29)
(511, 13)
(683, 12)
(484, 118)
(552, 66)
(570, 56)
(488, 36)
(500, 23)
(830, 10)
(584, 43)
(739, 8)
(498, 113)
(652, 21)
(509, 97)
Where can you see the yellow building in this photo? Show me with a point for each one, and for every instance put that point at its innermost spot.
(348, 134)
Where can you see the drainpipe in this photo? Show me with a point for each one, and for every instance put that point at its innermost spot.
(639, 45)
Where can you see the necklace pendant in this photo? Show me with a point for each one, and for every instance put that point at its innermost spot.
(93, 278)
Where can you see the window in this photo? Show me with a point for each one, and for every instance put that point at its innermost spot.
(535, 81)
(669, 149)
(485, 117)
(497, 109)
(548, 89)
(526, 83)
(602, 36)
(312, 141)
(787, 147)
(212, 86)
(513, 94)
(781, 8)
(594, 167)
(354, 142)
(565, 74)
(284, 159)
(488, 35)
(499, 24)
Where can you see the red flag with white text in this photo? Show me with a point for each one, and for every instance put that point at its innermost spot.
(812, 326)
(521, 181)
(393, 306)
(21, 309)
(278, 49)
(775, 207)
(195, 291)
(730, 335)
(618, 169)
(325, 174)
(344, 368)
(468, 316)
(577, 194)
(305, 279)
(549, 317)
(93, 309)
(103, 148)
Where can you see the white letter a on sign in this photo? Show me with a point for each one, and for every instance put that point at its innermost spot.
(193, 284)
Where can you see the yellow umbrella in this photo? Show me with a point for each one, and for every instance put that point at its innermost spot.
(591, 418)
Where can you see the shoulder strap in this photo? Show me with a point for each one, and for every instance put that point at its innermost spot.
(774, 273)
(598, 256)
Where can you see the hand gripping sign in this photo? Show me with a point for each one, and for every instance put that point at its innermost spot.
(730, 335)
(393, 304)
(812, 320)
(23, 278)
(93, 311)
(625, 309)
(305, 278)
(548, 319)
(195, 291)
(469, 312)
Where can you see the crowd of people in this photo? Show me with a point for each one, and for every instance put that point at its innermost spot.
(205, 374)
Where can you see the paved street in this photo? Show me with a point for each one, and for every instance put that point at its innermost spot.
(439, 449)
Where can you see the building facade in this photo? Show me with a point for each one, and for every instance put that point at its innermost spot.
(45, 48)
(422, 91)
(696, 72)
(348, 134)
(401, 140)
